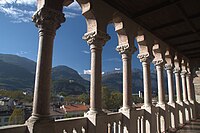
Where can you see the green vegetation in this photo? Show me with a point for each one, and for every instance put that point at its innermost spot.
(16, 94)
(17, 117)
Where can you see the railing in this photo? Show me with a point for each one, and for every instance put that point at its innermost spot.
(72, 125)
(107, 123)
(139, 120)
(114, 122)
(14, 129)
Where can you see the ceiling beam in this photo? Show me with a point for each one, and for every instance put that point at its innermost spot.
(180, 35)
(155, 8)
(185, 43)
(191, 49)
(193, 17)
(192, 54)
(186, 19)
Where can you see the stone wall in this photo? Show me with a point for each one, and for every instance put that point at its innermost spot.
(196, 82)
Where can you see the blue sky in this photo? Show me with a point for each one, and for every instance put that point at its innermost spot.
(19, 36)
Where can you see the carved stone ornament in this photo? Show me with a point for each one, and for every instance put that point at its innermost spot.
(158, 62)
(125, 49)
(96, 38)
(48, 19)
(168, 67)
(140, 38)
(176, 70)
(143, 57)
(183, 72)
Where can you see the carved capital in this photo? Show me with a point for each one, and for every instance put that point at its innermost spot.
(96, 38)
(168, 67)
(144, 57)
(125, 49)
(176, 70)
(140, 38)
(48, 19)
(159, 62)
(183, 72)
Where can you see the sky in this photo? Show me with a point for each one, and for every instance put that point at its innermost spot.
(19, 36)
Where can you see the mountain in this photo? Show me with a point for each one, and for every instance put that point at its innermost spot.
(15, 77)
(114, 80)
(18, 73)
(22, 62)
(68, 81)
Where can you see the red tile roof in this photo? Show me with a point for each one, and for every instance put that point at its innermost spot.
(75, 107)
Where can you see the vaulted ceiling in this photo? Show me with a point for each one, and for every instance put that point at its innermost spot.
(176, 22)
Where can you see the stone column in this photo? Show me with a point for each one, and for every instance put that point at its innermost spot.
(171, 104)
(184, 88)
(178, 86)
(159, 62)
(126, 53)
(179, 100)
(190, 92)
(48, 21)
(161, 92)
(168, 68)
(144, 58)
(96, 40)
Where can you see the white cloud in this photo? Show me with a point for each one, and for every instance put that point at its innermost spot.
(117, 69)
(21, 53)
(114, 60)
(74, 6)
(18, 15)
(26, 2)
(22, 2)
(86, 71)
(70, 14)
(86, 52)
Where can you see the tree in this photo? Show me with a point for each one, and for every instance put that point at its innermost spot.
(84, 98)
(105, 98)
(17, 117)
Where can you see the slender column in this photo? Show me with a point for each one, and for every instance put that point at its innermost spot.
(170, 83)
(48, 21)
(126, 53)
(178, 86)
(96, 41)
(161, 92)
(159, 62)
(188, 82)
(185, 94)
(144, 58)
(183, 80)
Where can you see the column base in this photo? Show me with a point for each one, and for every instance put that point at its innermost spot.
(41, 124)
(96, 122)
(173, 117)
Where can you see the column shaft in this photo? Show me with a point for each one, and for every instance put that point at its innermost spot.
(170, 86)
(96, 76)
(188, 82)
(178, 87)
(41, 101)
(161, 93)
(127, 81)
(183, 79)
(147, 84)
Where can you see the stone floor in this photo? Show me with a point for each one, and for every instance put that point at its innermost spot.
(193, 127)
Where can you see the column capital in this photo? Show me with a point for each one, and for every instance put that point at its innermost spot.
(183, 72)
(176, 70)
(125, 49)
(158, 62)
(144, 57)
(48, 19)
(96, 38)
(168, 67)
